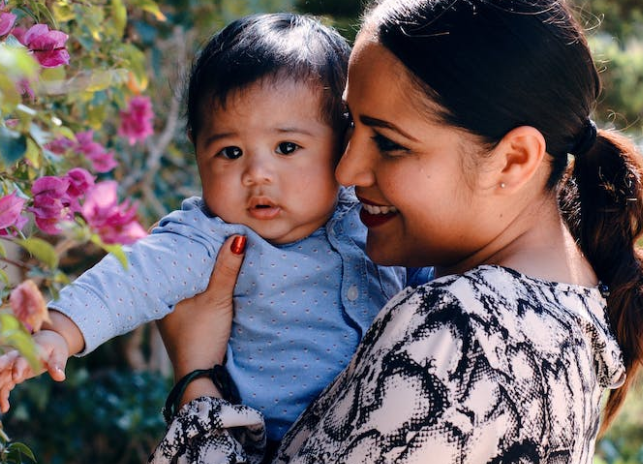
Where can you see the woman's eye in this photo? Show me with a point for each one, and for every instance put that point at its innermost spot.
(231, 152)
(287, 148)
(386, 145)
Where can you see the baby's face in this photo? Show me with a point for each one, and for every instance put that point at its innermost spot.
(267, 160)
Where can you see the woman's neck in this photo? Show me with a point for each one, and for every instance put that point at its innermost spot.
(536, 243)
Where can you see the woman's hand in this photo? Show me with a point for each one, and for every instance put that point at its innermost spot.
(196, 333)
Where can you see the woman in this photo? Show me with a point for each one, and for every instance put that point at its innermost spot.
(464, 115)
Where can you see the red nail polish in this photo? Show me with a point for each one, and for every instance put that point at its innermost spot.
(238, 244)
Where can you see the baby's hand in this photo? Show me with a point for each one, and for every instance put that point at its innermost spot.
(15, 369)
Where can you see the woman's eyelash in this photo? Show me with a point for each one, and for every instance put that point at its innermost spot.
(387, 145)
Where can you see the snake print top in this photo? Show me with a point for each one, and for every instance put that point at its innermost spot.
(490, 366)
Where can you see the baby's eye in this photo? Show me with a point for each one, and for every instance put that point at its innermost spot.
(231, 152)
(287, 148)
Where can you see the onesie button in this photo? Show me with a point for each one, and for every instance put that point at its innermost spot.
(353, 293)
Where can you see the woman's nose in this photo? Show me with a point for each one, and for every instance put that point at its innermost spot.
(355, 166)
(259, 171)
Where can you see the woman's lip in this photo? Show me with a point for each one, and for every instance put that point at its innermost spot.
(368, 202)
(374, 220)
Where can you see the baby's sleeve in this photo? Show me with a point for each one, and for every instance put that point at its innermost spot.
(171, 264)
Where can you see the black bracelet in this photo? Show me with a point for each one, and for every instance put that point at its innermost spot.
(219, 377)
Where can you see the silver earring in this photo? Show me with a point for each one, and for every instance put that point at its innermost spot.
(502, 185)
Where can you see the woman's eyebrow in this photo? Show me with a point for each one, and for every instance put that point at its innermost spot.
(374, 122)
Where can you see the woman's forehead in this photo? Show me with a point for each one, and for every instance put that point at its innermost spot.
(377, 77)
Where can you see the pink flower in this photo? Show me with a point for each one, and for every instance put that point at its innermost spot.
(50, 203)
(19, 33)
(136, 121)
(101, 159)
(113, 222)
(7, 20)
(47, 46)
(60, 145)
(10, 212)
(29, 306)
(79, 182)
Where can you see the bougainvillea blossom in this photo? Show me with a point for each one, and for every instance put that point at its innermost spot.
(7, 20)
(136, 120)
(11, 212)
(101, 159)
(50, 203)
(80, 181)
(113, 222)
(48, 46)
(60, 145)
(28, 305)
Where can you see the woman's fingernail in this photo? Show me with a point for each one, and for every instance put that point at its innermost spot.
(238, 244)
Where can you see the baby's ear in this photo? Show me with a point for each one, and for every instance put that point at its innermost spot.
(522, 151)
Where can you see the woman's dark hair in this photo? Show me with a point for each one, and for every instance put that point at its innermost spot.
(494, 65)
(269, 46)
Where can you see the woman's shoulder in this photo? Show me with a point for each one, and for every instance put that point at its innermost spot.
(493, 306)
(488, 285)
(493, 299)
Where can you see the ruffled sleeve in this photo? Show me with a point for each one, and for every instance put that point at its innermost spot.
(212, 431)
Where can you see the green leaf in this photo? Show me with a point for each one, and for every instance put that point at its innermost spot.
(119, 16)
(41, 250)
(14, 334)
(9, 94)
(116, 250)
(136, 59)
(16, 62)
(13, 145)
(4, 277)
(63, 11)
(18, 451)
(44, 15)
(34, 154)
(151, 7)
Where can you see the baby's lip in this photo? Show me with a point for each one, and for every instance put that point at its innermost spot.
(263, 208)
(261, 202)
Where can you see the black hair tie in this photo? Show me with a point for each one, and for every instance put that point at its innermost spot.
(587, 139)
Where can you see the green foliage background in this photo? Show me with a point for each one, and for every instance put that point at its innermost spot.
(107, 413)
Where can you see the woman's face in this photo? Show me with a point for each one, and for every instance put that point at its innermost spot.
(424, 195)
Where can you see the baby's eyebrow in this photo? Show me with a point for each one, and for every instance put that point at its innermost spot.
(293, 130)
(218, 136)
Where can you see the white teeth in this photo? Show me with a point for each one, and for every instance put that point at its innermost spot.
(372, 209)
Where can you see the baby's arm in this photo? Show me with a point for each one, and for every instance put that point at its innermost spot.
(57, 341)
(196, 333)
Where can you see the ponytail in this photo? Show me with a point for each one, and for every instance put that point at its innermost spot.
(601, 199)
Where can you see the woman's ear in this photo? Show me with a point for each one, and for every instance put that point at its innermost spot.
(190, 138)
(521, 152)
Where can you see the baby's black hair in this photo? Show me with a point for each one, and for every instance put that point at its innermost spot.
(269, 46)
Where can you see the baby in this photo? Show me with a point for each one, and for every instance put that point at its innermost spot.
(265, 116)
